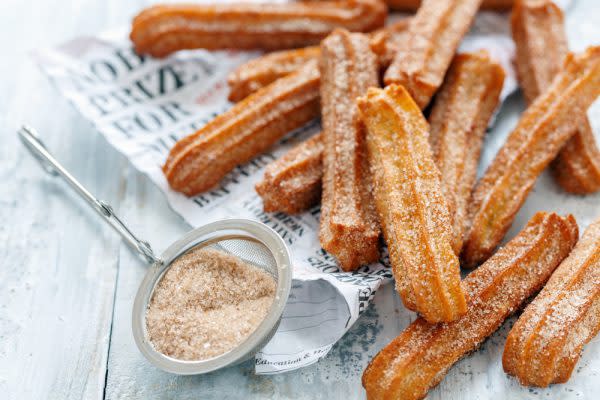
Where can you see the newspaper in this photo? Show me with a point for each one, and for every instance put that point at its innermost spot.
(143, 106)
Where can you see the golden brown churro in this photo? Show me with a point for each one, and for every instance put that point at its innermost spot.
(200, 160)
(412, 5)
(459, 117)
(292, 183)
(257, 73)
(349, 228)
(412, 210)
(420, 356)
(434, 35)
(262, 71)
(163, 29)
(541, 132)
(535, 25)
(385, 43)
(546, 342)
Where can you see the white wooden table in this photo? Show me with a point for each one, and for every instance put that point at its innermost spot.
(67, 282)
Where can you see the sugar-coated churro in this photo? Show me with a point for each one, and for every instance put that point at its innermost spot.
(163, 29)
(292, 183)
(412, 5)
(535, 24)
(541, 132)
(349, 228)
(546, 342)
(385, 43)
(262, 71)
(434, 35)
(420, 356)
(412, 211)
(257, 73)
(459, 118)
(200, 160)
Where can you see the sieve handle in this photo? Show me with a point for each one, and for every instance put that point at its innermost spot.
(37, 148)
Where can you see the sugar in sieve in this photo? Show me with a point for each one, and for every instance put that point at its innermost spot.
(251, 241)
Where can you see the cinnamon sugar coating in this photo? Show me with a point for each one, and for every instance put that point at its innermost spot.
(459, 118)
(541, 132)
(348, 227)
(207, 303)
(546, 342)
(535, 24)
(200, 160)
(292, 183)
(412, 211)
(434, 35)
(163, 29)
(420, 356)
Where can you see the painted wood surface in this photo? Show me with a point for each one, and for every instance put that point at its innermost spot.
(67, 282)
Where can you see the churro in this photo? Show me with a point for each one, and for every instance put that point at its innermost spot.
(163, 29)
(535, 24)
(257, 73)
(546, 342)
(459, 118)
(349, 228)
(292, 183)
(264, 70)
(412, 5)
(200, 160)
(412, 210)
(541, 132)
(420, 356)
(434, 35)
(385, 43)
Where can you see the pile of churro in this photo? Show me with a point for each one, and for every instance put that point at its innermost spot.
(403, 119)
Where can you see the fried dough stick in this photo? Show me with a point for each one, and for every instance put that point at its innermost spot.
(163, 29)
(434, 35)
(535, 25)
(411, 208)
(420, 356)
(292, 183)
(200, 160)
(459, 118)
(348, 228)
(546, 342)
(542, 131)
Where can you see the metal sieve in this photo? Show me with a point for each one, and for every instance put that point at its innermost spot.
(249, 240)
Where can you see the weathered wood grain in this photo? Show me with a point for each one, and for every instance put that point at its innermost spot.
(67, 283)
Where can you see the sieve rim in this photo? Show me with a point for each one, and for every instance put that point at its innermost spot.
(208, 234)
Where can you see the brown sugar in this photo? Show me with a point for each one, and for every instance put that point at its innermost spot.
(207, 303)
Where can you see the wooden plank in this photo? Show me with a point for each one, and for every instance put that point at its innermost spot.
(59, 265)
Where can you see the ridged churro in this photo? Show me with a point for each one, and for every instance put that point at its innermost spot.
(200, 160)
(459, 118)
(292, 183)
(420, 356)
(434, 35)
(385, 43)
(349, 228)
(541, 132)
(264, 70)
(412, 5)
(411, 208)
(546, 342)
(257, 73)
(163, 29)
(536, 24)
